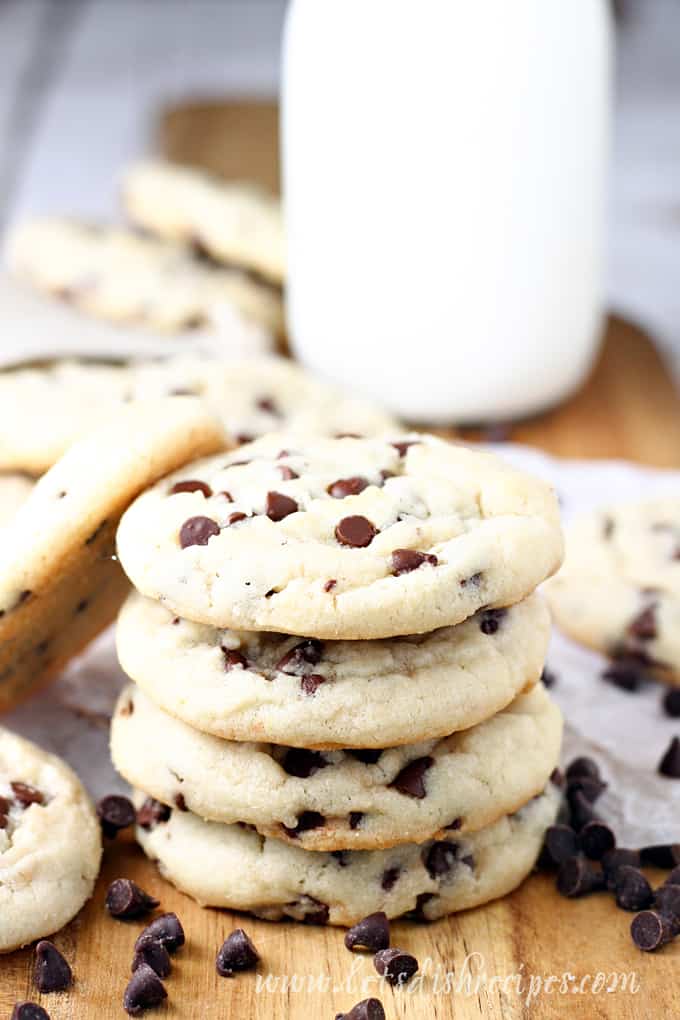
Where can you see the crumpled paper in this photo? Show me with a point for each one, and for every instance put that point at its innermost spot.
(626, 733)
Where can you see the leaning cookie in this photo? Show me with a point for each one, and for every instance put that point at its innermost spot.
(234, 867)
(59, 581)
(354, 799)
(235, 224)
(114, 273)
(269, 687)
(50, 843)
(619, 588)
(342, 538)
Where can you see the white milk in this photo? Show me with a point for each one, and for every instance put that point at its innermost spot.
(444, 171)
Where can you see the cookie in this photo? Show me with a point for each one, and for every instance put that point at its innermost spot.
(619, 589)
(361, 800)
(342, 538)
(14, 490)
(251, 396)
(274, 688)
(117, 274)
(50, 843)
(233, 223)
(235, 867)
(59, 581)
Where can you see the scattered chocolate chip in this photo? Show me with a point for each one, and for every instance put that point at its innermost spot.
(596, 839)
(52, 973)
(29, 1011)
(355, 819)
(287, 473)
(389, 878)
(367, 1009)
(144, 991)
(396, 966)
(356, 532)
(372, 932)
(633, 891)
(166, 929)
(491, 620)
(406, 560)
(237, 953)
(671, 702)
(298, 660)
(115, 813)
(662, 855)
(367, 755)
(232, 659)
(298, 761)
(306, 821)
(670, 763)
(626, 673)
(330, 585)
(643, 627)
(125, 899)
(27, 795)
(580, 809)
(310, 684)
(667, 902)
(561, 843)
(577, 876)
(191, 486)
(590, 788)
(280, 506)
(152, 813)
(440, 858)
(153, 955)
(615, 859)
(402, 447)
(347, 487)
(411, 780)
(583, 767)
(197, 531)
(651, 930)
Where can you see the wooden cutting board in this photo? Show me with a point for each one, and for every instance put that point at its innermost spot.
(501, 955)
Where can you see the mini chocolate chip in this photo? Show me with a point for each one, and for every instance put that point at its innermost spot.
(166, 929)
(548, 678)
(355, 819)
(144, 991)
(389, 878)
(313, 911)
(235, 518)
(191, 486)
(125, 899)
(473, 581)
(347, 487)
(237, 953)
(643, 627)
(330, 585)
(115, 813)
(418, 912)
(402, 447)
(355, 531)
(280, 506)
(233, 659)
(667, 902)
(341, 857)
(287, 473)
(671, 702)
(406, 560)
(372, 932)
(306, 821)
(152, 813)
(298, 761)
(197, 531)
(596, 839)
(670, 763)
(615, 859)
(396, 966)
(268, 405)
(411, 780)
(82, 606)
(651, 930)
(633, 891)
(153, 955)
(440, 858)
(456, 824)
(491, 620)
(583, 767)
(367, 1009)
(180, 802)
(301, 657)
(310, 684)
(661, 855)
(52, 973)
(577, 877)
(367, 755)
(561, 843)
(29, 1011)
(27, 795)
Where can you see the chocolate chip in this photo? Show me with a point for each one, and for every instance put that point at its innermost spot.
(661, 855)
(152, 813)
(590, 788)
(280, 506)
(389, 878)
(491, 620)
(180, 802)
(287, 473)
(341, 856)
(667, 902)
(355, 819)
(191, 486)
(596, 839)
(330, 585)
(472, 582)
(197, 531)
(309, 911)
(82, 606)
(411, 780)
(561, 843)
(153, 955)
(237, 953)
(297, 761)
(402, 447)
(548, 678)
(456, 824)
(367, 755)
(310, 684)
(347, 487)
(115, 813)
(615, 859)
(29, 1011)
(27, 795)
(367, 1009)
(166, 929)
(626, 673)
(232, 659)
(583, 767)
(633, 891)
(52, 973)
(418, 912)
(235, 518)
(144, 991)
(306, 821)
(125, 899)
(440, 858)
(671, 702)
(651, 930)
(577, 877)
(643, 627)
(268, 405)
(372, 933)
(406, 560)
(670, 763)
(356, 532)
(396, 966)
(580, 809)
(298, 660)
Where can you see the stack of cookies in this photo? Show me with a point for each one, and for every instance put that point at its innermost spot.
(337, 651)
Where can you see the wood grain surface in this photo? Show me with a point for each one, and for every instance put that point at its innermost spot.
(531, 955)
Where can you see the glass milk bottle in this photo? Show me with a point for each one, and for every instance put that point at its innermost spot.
(444, 187)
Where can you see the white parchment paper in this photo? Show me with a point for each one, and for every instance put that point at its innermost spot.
(626, 733)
